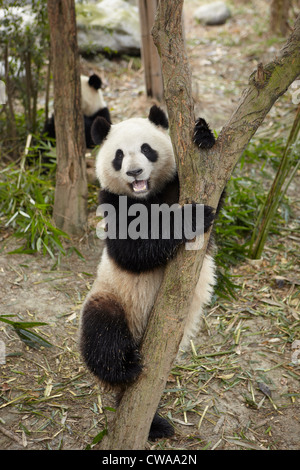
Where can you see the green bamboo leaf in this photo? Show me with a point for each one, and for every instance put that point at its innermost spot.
(39, 244)
(21, 324)
(28, 324)
(24, 214)
(98, 438)
(23, 250)
(32, 339)
(73, 248)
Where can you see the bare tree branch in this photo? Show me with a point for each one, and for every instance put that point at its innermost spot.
(266, 85)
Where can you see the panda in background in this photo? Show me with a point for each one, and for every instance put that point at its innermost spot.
(92, 104)
(136, 160)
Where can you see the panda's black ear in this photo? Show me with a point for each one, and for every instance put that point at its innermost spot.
(100, 130)
(95, 81)
(158, 117)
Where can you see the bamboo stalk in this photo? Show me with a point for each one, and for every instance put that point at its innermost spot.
(23, 159)
(275, 194)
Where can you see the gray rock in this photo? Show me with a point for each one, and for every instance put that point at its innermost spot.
(108, 26)
(214, 13)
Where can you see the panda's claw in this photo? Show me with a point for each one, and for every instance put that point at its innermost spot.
(199, 226)
(209, 217)
(203, 136)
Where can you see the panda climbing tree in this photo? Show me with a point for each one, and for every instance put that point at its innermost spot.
(205, 176)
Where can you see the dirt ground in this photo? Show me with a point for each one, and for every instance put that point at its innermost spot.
(242, 389)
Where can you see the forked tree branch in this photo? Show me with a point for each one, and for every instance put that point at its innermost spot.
(202, 179)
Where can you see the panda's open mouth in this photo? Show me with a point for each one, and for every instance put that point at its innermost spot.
(140, 186)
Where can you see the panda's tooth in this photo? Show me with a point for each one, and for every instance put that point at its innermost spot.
(139, 186)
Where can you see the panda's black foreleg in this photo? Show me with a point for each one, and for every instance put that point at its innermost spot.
(203, 136)
(107, 345)
(146, 254)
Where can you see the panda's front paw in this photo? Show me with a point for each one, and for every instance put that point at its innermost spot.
(197, 222)
(203, 136)
(209, 217)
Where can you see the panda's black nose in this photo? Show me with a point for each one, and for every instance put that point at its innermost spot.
(134, 172)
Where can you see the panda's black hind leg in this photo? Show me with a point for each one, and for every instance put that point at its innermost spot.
(203, 136)
(107, 345)
(160, 428)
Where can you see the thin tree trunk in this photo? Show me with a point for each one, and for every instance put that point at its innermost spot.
(150, 56)
(279, 14)
(70, 211)
(9, 108)
(47, 88)
(205, 177)
(28, 89)
(35, 100)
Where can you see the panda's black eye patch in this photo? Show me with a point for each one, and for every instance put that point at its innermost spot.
(117, 161)
(149, 152)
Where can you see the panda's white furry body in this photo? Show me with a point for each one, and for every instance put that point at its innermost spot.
(137, 293)
(91, 94)
(136, 160)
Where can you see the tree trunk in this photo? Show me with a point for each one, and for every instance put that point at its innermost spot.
(47, 89)
(9, 108)
(205, 177)
(70, 211)
(151, 60)
(279, 14)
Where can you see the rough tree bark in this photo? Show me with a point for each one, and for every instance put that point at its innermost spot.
(9, 108)
(70, 205)
(279, 15)
(151, 60)
(205, 177)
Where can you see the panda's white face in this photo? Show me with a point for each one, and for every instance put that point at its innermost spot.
(91, 98)
(136, 159)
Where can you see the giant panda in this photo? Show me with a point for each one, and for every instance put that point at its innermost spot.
(136, 160)
(92, 105)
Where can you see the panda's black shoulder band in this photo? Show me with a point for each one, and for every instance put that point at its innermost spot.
(95, 81)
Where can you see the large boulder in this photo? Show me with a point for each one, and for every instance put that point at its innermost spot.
(214, 13)
(110, 26)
